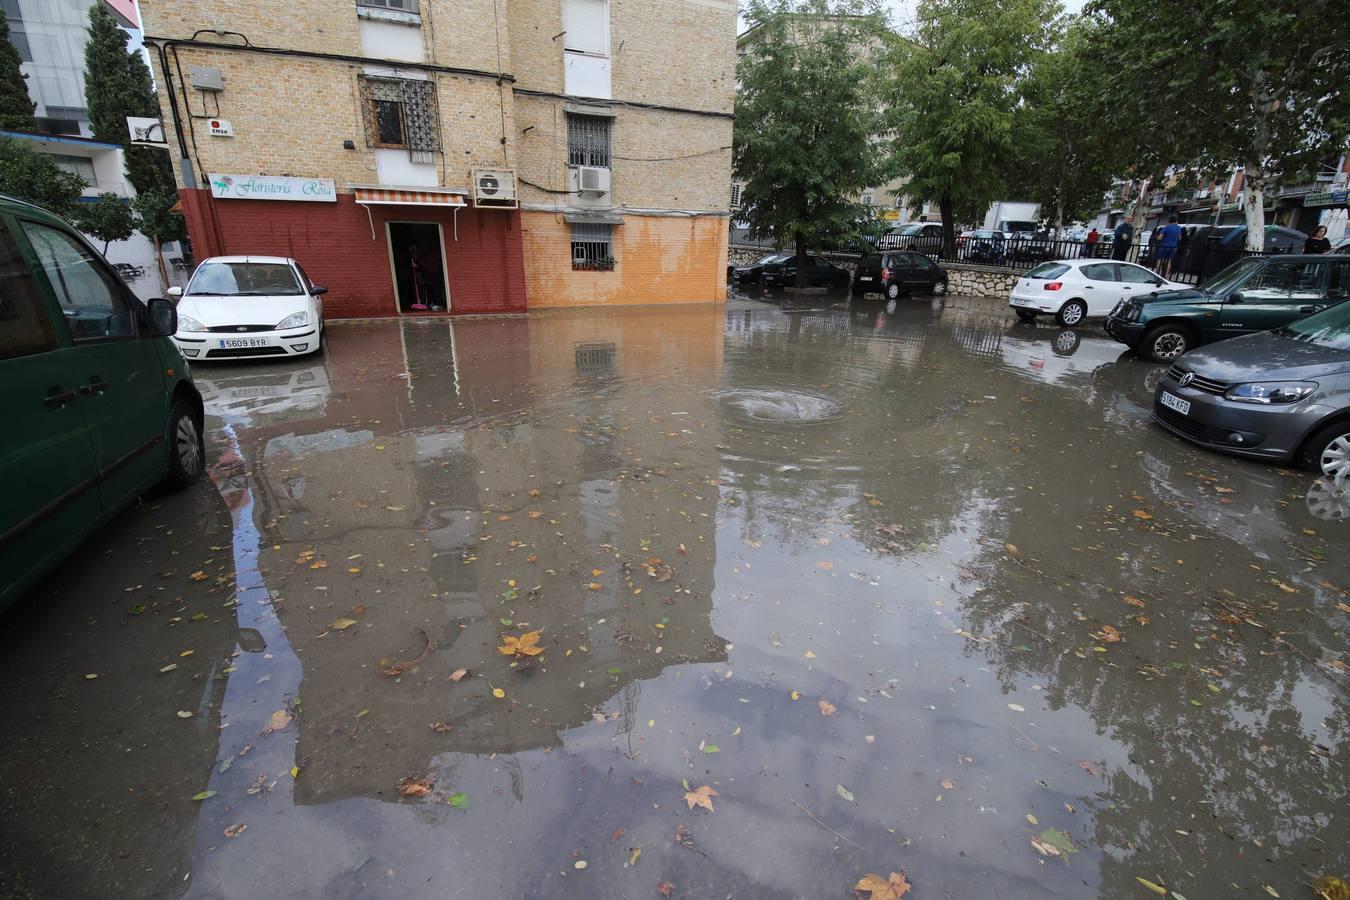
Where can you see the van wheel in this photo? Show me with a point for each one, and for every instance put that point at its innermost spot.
(1165, 343)
(187, 449)
(892, 291)
(1071, 313)
(1328, 452)
(1025, 315)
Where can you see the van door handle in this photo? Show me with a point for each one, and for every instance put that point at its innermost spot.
(95, 387)
(57, 398)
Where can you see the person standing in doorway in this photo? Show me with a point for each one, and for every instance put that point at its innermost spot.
(1121, 240)
(1166, 239)
(426, 263)
(1318, 243)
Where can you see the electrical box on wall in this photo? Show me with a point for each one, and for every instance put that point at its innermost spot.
(206, 78)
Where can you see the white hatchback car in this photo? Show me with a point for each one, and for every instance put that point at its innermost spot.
(1073, 289)
(243, 307)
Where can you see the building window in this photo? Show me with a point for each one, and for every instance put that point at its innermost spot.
(76, 165)
(408, 6)
(735, 195)
(586, 26)
(401, 114)
(592, 246)
(588, 141)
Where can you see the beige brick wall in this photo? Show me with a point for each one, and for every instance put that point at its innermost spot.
(675, 52)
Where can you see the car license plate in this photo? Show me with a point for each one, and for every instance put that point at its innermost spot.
(1019, 301)
(864, 277)
(236, 343)
(1173, 402)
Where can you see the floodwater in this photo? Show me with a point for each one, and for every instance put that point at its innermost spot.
(918, 590)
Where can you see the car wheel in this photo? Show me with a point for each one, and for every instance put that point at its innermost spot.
(1025, 315)
(1165, 343)
(187, 449)
(939, 288)
(1328, 452)
(892, 291)
(1071, 313)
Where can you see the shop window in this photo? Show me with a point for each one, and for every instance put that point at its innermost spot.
(588, 140)
(401, 114)
(592, 246)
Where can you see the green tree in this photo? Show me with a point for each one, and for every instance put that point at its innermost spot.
(806, 114)
(1221, 82)
(35, 177)
(109, 218)
(956, 97)
(117, 85)
(16, 108)
(158, 221)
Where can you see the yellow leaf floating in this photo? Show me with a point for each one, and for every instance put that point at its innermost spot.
(524, 645)
(498, 693)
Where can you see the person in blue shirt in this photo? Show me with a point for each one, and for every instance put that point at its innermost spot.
(1166, 238)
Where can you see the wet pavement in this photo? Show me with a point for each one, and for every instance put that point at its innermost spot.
(915, 590)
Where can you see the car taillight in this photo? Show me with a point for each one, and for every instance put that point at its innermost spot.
(1053, 285)
(885, 273)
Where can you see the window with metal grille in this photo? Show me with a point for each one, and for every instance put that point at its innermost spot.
(735, 195)
(401, 5)
(588, 141)
(401, 114)
(592, 246)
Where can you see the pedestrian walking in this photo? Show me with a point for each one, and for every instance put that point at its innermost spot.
(1121, 239)
(1092, 238)
(1318, 243)
(1166, 239)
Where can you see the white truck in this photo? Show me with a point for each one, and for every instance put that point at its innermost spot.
(1012, 217)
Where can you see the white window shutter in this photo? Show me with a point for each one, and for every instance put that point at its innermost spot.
(585, 22)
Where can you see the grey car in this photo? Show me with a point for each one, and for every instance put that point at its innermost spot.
(1281, 395)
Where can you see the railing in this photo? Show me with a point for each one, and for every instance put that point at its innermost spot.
(1192, 262)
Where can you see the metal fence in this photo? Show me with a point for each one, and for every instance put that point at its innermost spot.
(1192, 262)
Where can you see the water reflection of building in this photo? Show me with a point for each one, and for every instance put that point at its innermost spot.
(479, 492)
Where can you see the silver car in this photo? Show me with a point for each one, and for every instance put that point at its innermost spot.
(1281, 395)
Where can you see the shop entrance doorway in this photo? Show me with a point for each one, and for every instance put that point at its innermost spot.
(417, 258)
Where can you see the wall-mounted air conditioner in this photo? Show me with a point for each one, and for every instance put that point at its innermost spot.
(592, 180)
(495, 189)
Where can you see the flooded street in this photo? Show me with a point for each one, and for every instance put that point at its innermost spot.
(920, 590)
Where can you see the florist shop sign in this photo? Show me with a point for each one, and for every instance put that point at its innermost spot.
(273, 187)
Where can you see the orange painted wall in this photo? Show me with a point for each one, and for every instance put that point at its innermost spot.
(658, 259)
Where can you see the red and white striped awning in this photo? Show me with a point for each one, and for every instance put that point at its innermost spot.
(408, 197)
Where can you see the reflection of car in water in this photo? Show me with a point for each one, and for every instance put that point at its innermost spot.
(1329, 499)
(262, 390)
(1054, 355)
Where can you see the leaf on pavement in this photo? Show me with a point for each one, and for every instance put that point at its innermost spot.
(844, 792)
(521, 646)
(204, 795)
(235, 830)
(827, 708)
(1109, 634)
(280, 719)
(1141, 514)
(409, 786)
(701, 797)
(878, 888)
(458, 674)
(342, 624)
(1155, 888)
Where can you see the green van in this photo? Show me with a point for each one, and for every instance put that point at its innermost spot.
(98, 404)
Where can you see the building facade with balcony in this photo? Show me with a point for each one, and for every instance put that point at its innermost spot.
(463, 156)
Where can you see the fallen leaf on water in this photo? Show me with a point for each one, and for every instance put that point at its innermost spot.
(795, 695)
(826, 566)
(319, 564)
(709, 748)
(458, 800)
(827, 708)
(1090, 768)
(440, 727)
(204, 795)
(1155, 888)
(169, 668)
(198, 576)
(409, 786)
(701, 797)
(947, 784)
(594, 586)
(1329, 887)
(1134, 601)
(665, 888)
(185, 714)
(235, 830)
(1343, 607)
(535, 514)
(1011, 549)
(1032, 819)
(458, 674)
(844, 792)
(809, 654)
(634, 853)
(521, 646)
(280, 719)
(1141, 514)
(498, 693)
(342, 624)
(1108, 634)
(1053, 842)
(1017, 707)
(878, 888)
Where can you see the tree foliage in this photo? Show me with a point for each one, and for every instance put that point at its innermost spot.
(806, 116)
(956, 97)
(108, 218)
(16, 107)
(1218, 83)
(153, 210)
(117, 85)
(35, 177)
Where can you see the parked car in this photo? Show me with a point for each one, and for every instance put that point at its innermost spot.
(127, 270)
(1073, 289)
(240, 307)
(752, 273)
(924, 237)
(99, 405)
(1254, 294)
(1281, 395)
(962, 239)
(894, 273)
(1031, 246)
(820, 273)
(987, 246)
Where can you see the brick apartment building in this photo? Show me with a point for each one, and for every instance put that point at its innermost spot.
(481, 155)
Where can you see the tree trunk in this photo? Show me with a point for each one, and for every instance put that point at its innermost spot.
(1254, 196)
(105, 249)
(1140, 209)
(163, 272)
(1059, 213)
(801, 261)
(948, 226)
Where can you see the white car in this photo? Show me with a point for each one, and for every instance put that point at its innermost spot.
(243, 307)
(1073, 289)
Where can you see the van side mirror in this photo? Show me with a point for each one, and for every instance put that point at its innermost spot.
(316, 290)
(163, 318)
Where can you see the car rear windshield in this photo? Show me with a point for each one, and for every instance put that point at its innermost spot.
(243, 279)
(1048, 271)
(1329, 328)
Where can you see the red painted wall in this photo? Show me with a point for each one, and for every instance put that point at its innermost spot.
(332, 241)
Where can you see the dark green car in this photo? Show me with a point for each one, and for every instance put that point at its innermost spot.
(1254, 294)
(99, 406)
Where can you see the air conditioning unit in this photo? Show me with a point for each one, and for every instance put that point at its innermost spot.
(495, 189)
(592, 180)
